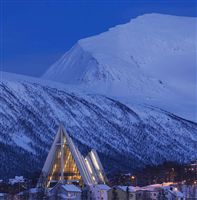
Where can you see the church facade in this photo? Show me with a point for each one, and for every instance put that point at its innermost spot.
(67, 165)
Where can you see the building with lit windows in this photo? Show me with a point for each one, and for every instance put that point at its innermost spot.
(65, 164)
(98, 192)
(64, 191)
(123, 193)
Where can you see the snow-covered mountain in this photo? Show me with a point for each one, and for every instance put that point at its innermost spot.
(151, 59)
(126, 137)
(121, 92)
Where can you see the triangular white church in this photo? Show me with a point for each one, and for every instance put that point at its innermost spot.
(65, 164)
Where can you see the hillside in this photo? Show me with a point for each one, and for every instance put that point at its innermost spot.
(126, 137)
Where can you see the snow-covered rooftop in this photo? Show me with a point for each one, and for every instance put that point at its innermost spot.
(71, 188)
(101, 186)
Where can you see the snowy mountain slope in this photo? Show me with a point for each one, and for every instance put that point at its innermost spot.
(125, 137)
(152, 57)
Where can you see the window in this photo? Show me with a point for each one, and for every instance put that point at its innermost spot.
(69, 194)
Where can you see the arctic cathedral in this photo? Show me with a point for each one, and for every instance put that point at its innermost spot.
(66, 164)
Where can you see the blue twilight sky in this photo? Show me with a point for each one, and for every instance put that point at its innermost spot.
(35, 33)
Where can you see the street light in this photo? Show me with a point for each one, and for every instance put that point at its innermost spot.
(134, 178)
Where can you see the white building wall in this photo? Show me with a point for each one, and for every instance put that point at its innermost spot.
(95, 193)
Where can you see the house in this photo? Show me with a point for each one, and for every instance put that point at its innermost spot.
(122, 192)
(30, 194)
(150, 192)
(64, 191)
(98, 192)
(172, 193)
(159, 191)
